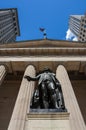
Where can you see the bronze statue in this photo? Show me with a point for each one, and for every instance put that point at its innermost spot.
(48, 94)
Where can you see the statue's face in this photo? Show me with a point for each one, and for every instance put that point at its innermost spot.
(47, 69)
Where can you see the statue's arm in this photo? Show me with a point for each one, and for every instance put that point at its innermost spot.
(58, 85)
(31, 78)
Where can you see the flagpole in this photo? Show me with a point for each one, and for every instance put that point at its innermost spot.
(44, 32)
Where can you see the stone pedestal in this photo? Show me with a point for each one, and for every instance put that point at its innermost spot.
(47, 121)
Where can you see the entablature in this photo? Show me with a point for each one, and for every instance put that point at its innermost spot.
(19, 63)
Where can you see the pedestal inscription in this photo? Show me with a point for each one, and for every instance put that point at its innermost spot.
(47, 121)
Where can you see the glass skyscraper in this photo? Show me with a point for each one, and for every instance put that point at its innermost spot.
(77, 25)
(9, 27)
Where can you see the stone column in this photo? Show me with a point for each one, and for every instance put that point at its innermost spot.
(75, 119)
(2, 73)
(23, 101)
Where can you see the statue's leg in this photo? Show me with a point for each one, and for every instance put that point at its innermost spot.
(35, 99)
(44, 96)
(52, 93)
(62, 104)
(60, 96)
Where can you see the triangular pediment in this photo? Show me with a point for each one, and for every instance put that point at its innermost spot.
(42, 43)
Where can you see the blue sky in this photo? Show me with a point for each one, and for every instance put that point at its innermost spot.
(50, 14)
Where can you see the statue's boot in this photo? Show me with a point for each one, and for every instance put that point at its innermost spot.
(45, 104)
(54, 101)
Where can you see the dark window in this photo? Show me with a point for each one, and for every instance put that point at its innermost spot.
(81, 29)
(14, 19)
(82, 20)
(14, 24)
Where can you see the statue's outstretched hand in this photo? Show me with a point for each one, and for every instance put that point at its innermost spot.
(27, 77)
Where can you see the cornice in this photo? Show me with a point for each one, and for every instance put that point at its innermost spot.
(43, 43)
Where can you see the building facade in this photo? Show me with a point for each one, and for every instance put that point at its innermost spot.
(77, 25)
(66, 60)
(9, 26)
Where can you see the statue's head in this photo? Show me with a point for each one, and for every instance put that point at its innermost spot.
(46, 69)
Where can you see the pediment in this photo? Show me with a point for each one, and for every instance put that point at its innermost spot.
(42, 43)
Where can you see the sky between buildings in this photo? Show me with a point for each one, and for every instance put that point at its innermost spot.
(50, 14)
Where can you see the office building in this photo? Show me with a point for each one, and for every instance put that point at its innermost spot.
(77, 25)
(9, 26)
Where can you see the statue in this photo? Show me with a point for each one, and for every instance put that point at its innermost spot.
(48, 94)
